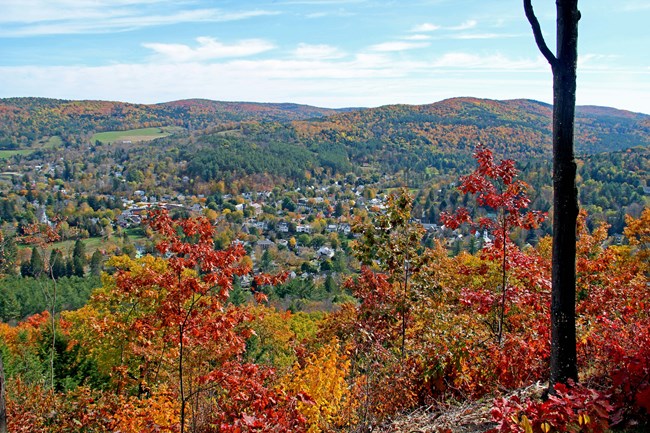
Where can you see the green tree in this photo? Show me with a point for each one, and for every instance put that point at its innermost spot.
(79, 258)
(57, 264)
(330, 285)
(96, 263)
(36, 264)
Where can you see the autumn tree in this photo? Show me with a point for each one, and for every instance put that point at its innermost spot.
(3, 400)
(391, 243)
(497, 187)
(40, 236)
(565, 194)
(167, 319)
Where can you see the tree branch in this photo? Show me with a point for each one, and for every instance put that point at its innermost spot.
(537, 32)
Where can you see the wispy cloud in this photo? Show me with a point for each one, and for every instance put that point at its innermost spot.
(367, 79)
(469, 24)
(485, 35)
(209, 49)
(426, 27)
(398, 46)
(462, 60)
(320, 51)
(429, 27)
(330, 13)
(417, 37)
(55, 19)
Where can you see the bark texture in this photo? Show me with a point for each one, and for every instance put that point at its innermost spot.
(565, 194)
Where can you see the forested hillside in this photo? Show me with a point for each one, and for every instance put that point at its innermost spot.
(26, 120)
(518, 129)
(281, 268)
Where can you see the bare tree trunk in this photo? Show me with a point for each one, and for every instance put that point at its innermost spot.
(565, 195)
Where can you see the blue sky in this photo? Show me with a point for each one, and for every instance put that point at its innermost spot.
(329, 53)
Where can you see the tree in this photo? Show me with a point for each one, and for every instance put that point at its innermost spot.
(36, 265)
(3, 403)
(79, 258)
(497, 187)
(57, 264)
(96, 263)
(169, 317)
(8, 253)
(565, 194)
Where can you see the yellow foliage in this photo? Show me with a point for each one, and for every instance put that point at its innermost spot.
(638, 234)
(161, 410)
(322, 377)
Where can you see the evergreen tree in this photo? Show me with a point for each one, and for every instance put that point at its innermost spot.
(96, 263)
(79, 251)
(69, 267)
(57, 264)
(78, 259)
(330, 284)
(77, 267)
(36, 264)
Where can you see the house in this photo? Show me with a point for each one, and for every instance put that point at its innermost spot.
(345, 228)
(256, 209)
(304, 228)
(325, 253)
(265, 244)
(128, 218)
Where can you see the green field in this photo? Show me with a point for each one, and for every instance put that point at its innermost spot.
(133, 135)
(92, 244)
(53, 142)
(43, 143)
(4, 154)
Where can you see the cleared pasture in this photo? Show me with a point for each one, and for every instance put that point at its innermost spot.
(134, 135)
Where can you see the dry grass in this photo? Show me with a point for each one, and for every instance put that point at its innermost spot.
(466, 417)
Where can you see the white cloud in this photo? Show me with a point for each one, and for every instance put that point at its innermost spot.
(469, 24)
(426, 27)
(467, 36)
(208, 49)
(498, 62)
(320, 51)
(96, 18)
(33, 11)
(398, 46)
(417, 38)
(367, 79)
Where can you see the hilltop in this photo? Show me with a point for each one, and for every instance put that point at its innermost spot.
(516, 127)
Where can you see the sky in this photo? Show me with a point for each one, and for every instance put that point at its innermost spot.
(327, 53)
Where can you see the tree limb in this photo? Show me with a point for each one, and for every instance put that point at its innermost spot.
(537, 32)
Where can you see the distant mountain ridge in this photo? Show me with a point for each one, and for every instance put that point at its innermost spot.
(519, 126)
(23, 120)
